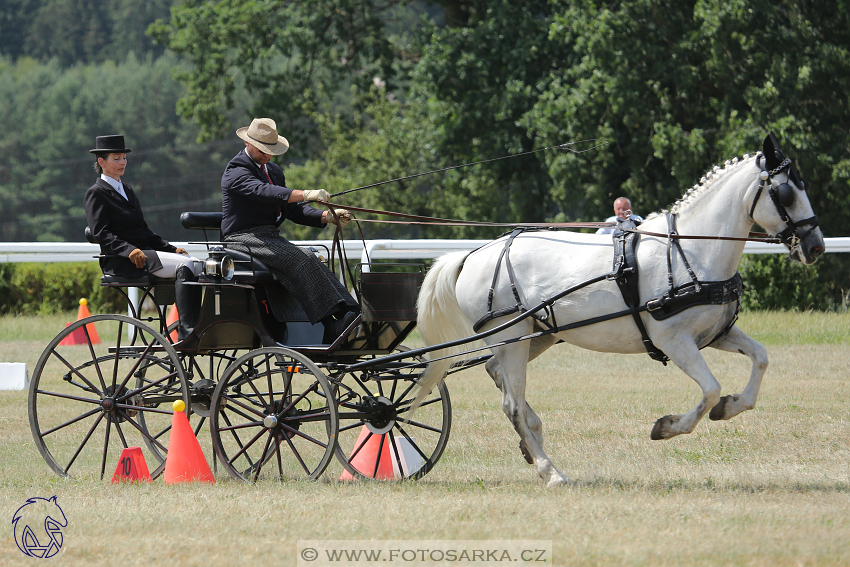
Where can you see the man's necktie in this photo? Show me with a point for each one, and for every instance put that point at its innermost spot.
(266, 173)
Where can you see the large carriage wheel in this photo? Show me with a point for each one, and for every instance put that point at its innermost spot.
(92, 398)
(378, 437)
(272, 416)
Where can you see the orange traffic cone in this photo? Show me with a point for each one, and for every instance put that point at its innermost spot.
(78, 337)
(173, 317)
(365, 459)
(131, 467)
(185, 461)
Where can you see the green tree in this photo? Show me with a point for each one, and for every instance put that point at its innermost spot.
(78, 31)
(677, 87)
(284, 53)
(49, 121)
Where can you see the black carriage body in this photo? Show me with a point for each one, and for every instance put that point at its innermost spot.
(286, 407)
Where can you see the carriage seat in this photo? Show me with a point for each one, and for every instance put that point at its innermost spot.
(107, 280)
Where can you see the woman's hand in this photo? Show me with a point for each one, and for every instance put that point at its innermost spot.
(138, 258)
(181, 251)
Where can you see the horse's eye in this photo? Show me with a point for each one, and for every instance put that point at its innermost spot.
(785, 193)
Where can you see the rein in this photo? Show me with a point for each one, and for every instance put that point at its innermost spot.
(437, 221)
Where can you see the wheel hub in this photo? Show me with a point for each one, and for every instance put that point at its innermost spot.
(109, 405)
(382, 415)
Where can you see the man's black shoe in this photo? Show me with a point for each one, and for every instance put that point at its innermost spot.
(337, 326)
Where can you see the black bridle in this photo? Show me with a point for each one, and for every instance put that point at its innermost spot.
(783, 196)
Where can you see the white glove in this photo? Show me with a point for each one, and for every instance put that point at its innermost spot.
(317, 195)
(343, 216)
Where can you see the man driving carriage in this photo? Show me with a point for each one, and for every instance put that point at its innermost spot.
(256, 201)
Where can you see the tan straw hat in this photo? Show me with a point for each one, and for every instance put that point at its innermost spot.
(262, 134)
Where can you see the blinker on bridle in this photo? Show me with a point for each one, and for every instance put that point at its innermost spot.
(783, 196)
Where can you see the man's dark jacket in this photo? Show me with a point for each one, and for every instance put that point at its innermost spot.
(248, 200)
(119, 227)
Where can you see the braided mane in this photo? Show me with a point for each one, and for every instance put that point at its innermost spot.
(706, 183)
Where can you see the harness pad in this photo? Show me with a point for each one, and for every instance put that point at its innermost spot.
(691, 295)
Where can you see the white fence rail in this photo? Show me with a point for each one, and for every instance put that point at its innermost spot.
(376, 249)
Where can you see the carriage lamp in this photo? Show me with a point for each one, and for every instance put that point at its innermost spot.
(219, 264)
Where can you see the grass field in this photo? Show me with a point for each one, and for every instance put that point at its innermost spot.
(769, 488)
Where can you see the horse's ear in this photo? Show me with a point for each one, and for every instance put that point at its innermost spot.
(772, 154)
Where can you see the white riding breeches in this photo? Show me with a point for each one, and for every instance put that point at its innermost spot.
(171, 261)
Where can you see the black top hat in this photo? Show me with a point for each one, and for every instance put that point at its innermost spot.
(110, 145)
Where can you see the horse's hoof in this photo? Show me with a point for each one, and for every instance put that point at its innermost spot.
(557, 481)
(525, 453)
(661, 428)
(717, 412)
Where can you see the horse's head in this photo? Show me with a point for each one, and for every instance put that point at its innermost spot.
(782, 207)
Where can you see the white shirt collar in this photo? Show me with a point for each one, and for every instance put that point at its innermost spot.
(115, 184)
(252, 159)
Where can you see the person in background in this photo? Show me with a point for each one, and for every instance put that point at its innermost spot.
(622, 211)
(130, 249)
(256, 201)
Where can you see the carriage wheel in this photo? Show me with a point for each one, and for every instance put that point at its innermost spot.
(92, 398)
(378, 437)
(271, 418)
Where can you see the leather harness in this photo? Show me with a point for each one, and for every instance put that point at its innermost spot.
(625, 273)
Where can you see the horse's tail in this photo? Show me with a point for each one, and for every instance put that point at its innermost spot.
(440, 319)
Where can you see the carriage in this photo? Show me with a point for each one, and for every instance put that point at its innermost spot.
(276, 400)
(279, 403)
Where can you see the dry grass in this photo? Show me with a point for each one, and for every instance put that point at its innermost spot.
(770, 487)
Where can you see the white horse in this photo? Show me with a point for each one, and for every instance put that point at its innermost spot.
(763, 189)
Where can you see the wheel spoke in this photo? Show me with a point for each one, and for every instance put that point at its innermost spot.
(94, 357)
(200, 425)
(68, 397)
(297, 455)
(418, 424)
(378, 458)
(75, 371)
(303, 435)
(236, 438)
(259, 396)
(105, 448)
(397, 456)
(412, 443)
(243, 406)
(362, 444)
(70, 422)
(138, 391)
(263, 457)
(143, 431)
(85, 440)
(247, 446)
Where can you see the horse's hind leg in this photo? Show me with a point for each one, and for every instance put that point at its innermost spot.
(509, 373)
(686, 356)
(537, 347)
(736, 341)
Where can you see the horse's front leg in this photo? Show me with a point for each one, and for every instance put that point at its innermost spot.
(736, 341)
(685, 354)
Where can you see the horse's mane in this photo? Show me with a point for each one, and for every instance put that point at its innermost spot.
(706, 183)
